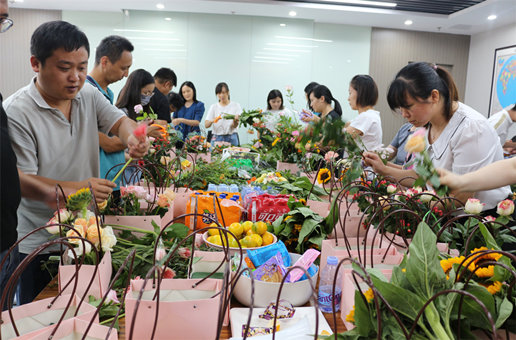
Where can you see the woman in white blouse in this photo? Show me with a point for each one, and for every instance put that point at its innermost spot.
(459, 138)
(223, 116)
(363, 95)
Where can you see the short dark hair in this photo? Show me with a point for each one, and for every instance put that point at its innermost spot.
(112, 47)
(165, 74)
(175, 100)
(53, 35)
(417, 80)
(190, 85)
(273, 95)
(220, 87)
(367, 91)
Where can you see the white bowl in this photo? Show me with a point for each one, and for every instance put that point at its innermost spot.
(233, 250)
(297, 293)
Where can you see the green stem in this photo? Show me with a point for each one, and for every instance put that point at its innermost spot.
(105, 322)
(123, 168)
(435, 322)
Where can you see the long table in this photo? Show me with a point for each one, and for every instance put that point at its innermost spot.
(52, 289)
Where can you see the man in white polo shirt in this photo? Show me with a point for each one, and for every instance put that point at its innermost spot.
(54, 124)
(502, 122)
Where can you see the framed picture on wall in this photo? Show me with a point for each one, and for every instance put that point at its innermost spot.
(503, 83)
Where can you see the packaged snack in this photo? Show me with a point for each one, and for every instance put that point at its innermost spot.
(261, 255)
(271, 271)
(285, 310)
(305, 262)
(253, 331)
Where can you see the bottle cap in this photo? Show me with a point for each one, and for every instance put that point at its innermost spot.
(332, 260)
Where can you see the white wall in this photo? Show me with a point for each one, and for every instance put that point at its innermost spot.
(252, 54)
(480, 65)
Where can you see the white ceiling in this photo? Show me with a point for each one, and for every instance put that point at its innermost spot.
(469, 21)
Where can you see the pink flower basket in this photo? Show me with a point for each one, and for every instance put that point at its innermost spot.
(293, 167)
(182, 197)
(377, 252)
(142, 222)
(36, 316)
(321, 208)
(351, 222)
(185, 311)
(73, 328)
(100, 283)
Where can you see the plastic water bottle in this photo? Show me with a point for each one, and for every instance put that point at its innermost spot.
(212, 187)
(326, 286)
(233, 188)
(223, 188)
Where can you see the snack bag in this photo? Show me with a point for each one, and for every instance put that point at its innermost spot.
(267, 207)
(271, 271)
(229, 211)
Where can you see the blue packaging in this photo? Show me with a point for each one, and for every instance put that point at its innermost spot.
(261, 255)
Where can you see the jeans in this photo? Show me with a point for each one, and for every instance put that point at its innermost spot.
(7, 270)
(34, 278)
(233, 139)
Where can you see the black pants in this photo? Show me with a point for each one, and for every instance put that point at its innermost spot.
(34, 278)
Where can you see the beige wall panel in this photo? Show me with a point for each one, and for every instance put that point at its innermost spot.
(392, 49)
(15, 70)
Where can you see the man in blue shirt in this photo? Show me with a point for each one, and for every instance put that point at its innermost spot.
(113, 59)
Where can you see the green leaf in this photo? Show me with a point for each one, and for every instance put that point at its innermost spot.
(472, 310)
(424, 270)
(363, 319)
(504, 311)
(401, 300)
(490, 241)
(306, 229)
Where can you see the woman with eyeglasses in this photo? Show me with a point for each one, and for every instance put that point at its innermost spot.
(459, 139)
(138, 90)
(189, 116)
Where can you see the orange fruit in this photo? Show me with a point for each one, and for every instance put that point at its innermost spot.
(247, 225)
(267, 239)
(213, 232)
(257, 239)
(236, 228)
(260, 227)
(248, 242)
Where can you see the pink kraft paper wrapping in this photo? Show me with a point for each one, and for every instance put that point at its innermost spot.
(377, 248)
(100, 283)
(70, 327)
(186, 319)
(209, 261)
(142, 222)
(348, 294)
(321, 208)
(38, 307)
(293, 167)
(182, 197)
(351, 222)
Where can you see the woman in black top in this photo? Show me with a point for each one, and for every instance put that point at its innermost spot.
(320, 100)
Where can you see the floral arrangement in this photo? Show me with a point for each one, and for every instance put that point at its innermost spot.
(251, 118)
(423, 277)
(422, 164)
(131, 198)
(197, 144)
(301, 228)
(142, 115)
(286, 183)
(86, 226)
(217, 172)
(218, 147)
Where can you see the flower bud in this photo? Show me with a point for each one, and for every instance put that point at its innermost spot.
(473, 206)
(505, 208)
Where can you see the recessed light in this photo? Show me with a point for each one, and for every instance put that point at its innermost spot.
(283, 25)
(160, 6)
(408, 22)
(292, 13)
(168, 19)
(491, 17)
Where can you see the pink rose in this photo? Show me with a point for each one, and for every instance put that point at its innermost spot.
(295, 133)
(330, 155)
(111, 296)
(489, 218)
(138, 108)
(169, 273)
(505, 208)
(473, 206)
(163, 201)
(184, 252)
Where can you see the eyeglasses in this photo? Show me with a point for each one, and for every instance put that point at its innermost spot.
(5, 24)
(148, 93)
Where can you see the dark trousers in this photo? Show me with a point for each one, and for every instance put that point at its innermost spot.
(34, 278)
(7, 270)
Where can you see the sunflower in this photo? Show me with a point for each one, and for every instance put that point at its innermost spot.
(369, 295)
(485, 271)
(490, 256)
(302, 201)
(275, 141)
(351, 316)
(494, 288)
(447, 264)
(323, 176)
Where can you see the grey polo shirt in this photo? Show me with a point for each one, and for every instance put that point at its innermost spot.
(48, 145)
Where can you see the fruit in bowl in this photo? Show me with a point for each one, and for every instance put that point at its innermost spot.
(250, 235)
